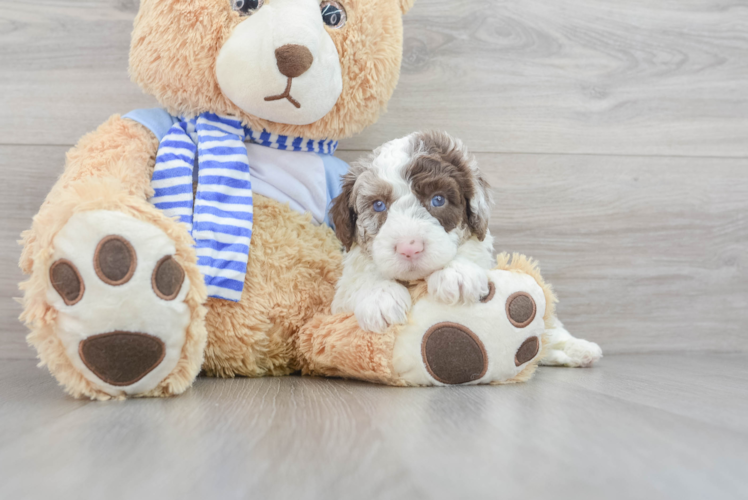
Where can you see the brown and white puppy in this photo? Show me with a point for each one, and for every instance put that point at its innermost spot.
(417, 208)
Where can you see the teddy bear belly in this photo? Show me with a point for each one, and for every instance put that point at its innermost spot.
(291, 274)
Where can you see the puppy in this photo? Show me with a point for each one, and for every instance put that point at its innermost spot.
(416, 208)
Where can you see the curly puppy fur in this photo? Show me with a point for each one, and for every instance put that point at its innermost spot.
(417, 208)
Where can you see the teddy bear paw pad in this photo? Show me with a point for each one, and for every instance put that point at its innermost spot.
(488, 342)
(453, 354)
(119, 294)
(121, 358)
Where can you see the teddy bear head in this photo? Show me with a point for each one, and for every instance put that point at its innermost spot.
(321, 69)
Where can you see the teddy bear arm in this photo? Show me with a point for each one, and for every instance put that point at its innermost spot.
(120, 149)
(120, 154)
(101, 260)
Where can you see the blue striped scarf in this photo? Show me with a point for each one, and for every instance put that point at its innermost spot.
(220, 217)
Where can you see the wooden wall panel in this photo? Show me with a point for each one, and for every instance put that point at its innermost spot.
(562, 76)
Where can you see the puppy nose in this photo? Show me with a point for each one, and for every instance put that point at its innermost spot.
(409, 249)
(293, 60)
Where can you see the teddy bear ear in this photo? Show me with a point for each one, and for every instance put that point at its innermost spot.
(405, 5)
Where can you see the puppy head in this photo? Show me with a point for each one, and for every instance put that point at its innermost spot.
(412, 203)
(321, 69)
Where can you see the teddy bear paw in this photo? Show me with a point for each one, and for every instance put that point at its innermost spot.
(119, 295)
(491, 341)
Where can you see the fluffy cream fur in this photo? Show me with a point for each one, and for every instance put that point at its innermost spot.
(175, 45)
(291, 276)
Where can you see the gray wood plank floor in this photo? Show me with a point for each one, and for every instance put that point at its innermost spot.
(637, 426)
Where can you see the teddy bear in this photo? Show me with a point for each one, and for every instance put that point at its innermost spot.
(195, 238)
(139, 262)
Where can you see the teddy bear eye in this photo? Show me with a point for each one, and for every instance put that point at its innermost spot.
(247, 7)
(333, 14)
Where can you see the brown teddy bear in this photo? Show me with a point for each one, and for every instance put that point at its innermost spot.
(140, 261)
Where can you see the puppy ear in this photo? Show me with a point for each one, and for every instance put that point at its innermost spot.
(479, 205)
(342, 213)
(405, 5)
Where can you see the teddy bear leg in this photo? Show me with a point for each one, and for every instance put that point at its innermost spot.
(115, 313)
(114, 301)
(498, 340)
(564, 349)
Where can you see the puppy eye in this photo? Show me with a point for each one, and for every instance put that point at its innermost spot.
(379, 206)
(247, 7)
(333, 14)
(438, 201)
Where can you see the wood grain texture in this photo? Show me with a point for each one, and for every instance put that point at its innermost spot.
(606, 432)
(561, 76)
(646, 254)
(29, 174)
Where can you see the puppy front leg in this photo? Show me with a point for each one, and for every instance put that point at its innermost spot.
(385, 304)
(377, 302)
(465, 278)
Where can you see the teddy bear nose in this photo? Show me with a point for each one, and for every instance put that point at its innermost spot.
(293, 60)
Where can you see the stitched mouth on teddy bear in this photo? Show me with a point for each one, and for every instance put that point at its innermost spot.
(285, 95)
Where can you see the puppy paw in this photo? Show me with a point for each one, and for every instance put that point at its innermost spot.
(459, 282)
(575, 353)
(582, 353)
(386, 305)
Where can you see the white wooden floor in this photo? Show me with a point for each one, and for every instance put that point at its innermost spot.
(615, 134)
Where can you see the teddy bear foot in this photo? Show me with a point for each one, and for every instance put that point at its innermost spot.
(497, 340)
(120, 295)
